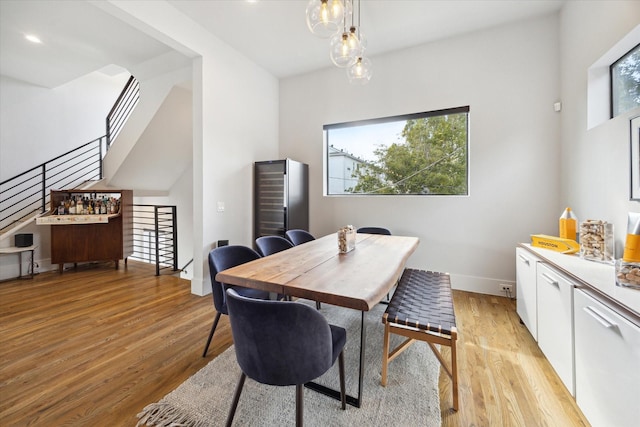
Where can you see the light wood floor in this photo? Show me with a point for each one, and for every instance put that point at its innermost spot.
(93, 346)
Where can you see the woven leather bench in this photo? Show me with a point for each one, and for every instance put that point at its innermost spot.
(422, 309)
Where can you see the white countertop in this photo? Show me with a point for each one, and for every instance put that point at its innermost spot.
(597, 275)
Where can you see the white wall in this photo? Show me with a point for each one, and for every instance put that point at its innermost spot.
(509, 76)
(38, 124)
(595, 162)
(235, 113)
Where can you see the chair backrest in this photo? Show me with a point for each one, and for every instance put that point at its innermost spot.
(298, 237)
(374, 230)
(279, 342)
(220, 259)
(268, 245)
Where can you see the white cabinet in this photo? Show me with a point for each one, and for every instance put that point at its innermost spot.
(526, 293)
(607, 362)
(555, 321)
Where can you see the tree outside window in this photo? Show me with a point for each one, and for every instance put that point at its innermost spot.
(418, 154)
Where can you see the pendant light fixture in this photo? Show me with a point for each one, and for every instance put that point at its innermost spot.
(344, 49)
(325, 17)
(329, 18)
(360, 72)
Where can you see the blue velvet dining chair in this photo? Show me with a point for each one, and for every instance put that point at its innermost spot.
(283, 343)
(298, 237)
(220, 259)
(374, 230)
(268, 245)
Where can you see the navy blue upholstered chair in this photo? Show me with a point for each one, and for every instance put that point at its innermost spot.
(283, 343)
(220, 259)
(374, 230)
(298, 237)
(268, 245)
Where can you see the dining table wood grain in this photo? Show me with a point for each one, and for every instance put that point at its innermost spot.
(358, 279)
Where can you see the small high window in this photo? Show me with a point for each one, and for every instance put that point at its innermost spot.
(625, 82)
(415, 154)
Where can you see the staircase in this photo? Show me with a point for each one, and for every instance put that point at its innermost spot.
(26, 195)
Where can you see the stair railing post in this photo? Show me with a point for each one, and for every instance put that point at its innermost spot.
(44, 188)
(157, 228)
(174, 220)
(100, 157)
(108, 135)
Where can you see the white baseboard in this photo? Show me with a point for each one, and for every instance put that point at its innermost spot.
(482, 285)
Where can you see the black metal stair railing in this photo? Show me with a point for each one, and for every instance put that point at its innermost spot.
(28, 193)
(122, 109)
(155, 236)
(155, 233)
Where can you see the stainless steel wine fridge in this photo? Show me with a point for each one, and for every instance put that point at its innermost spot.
(281, 197)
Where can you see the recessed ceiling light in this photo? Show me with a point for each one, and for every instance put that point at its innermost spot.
(32, 38)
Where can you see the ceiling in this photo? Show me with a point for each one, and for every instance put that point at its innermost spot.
(79, 37)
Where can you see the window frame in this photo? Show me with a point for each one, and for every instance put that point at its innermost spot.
(611, 78)
(403, 117)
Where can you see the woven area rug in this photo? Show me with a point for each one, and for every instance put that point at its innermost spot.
(409, 399)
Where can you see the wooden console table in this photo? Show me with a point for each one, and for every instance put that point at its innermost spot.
(90, 237)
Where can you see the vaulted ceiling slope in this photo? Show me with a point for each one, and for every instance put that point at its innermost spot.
(79, 37)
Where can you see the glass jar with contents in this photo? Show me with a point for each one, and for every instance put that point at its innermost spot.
(346, 239)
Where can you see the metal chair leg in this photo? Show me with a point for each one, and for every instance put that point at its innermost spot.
(213, 329)
(343, 394)
(236, 399)
(299, 404)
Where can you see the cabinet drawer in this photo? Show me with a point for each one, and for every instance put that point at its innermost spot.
(555, 322)
(607, 357)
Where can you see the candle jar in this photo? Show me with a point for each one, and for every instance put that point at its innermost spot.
(628, 274)
(596, 241)
(346, 239)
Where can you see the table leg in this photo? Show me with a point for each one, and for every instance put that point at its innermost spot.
(335, 394)
(363, 340)
(32, 262)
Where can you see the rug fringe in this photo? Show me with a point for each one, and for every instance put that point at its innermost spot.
(162, 414)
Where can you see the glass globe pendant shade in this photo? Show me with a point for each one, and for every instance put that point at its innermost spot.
(360, 72)
(325, 17)
(357, 42)
(341, 52)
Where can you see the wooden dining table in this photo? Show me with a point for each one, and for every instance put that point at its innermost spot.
(358, 279)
